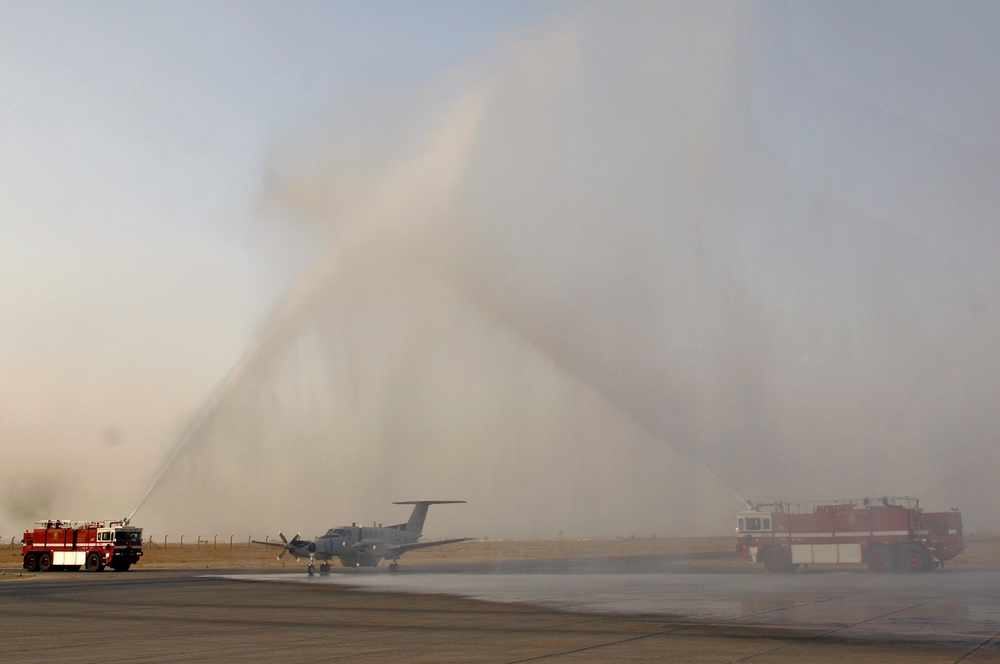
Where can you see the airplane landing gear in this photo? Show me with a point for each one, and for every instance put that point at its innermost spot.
(324, 569)
(311, 569)
(393, 567)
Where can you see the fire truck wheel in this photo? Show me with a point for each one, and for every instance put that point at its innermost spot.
(914, 558)
(45, 562)
(121, 567)
(776, 560)
(93, 563)
(31, 562)
(880, 558)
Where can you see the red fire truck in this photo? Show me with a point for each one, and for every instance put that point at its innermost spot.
(887, 534)
(57, 544)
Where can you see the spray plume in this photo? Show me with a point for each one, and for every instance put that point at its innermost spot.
(432, 173)
(612, 268)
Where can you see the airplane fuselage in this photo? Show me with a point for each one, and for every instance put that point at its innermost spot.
(358, 546)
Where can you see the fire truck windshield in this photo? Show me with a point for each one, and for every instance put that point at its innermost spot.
(755, 523)
(128, 536)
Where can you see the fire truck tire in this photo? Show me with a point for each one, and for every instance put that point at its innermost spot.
(776, 560)
(93, 563)
(31, 562)
(881, 558)
(121, 567)
(914, 558)
(45, 562)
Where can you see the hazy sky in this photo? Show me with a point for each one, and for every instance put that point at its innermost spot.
(564, 260)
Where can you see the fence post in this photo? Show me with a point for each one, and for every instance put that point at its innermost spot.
(197, 544)
(230, 542)
(164, 541)
(182, 542)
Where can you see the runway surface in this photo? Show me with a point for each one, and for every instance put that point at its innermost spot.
(221, 616)
(958, 608)
(961, 607)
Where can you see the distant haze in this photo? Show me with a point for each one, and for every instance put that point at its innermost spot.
(622, 269)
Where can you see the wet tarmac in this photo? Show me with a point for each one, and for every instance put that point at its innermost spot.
(957, 608)
(423, 615)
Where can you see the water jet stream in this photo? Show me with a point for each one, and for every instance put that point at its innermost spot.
(428, 175)
(489, 306)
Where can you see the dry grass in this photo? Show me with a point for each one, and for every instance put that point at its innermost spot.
(255, 556)
(982, 552)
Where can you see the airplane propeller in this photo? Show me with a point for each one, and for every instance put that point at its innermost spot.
(289, 545)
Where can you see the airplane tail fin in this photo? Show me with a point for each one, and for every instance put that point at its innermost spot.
(415, 524)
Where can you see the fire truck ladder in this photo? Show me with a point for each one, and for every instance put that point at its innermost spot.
(935, 541)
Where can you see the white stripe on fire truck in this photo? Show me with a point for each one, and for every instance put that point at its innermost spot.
(860, 533)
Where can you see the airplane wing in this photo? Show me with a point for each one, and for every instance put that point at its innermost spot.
(400, 549)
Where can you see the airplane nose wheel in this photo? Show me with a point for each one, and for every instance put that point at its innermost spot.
(393, 567)
(311, 569)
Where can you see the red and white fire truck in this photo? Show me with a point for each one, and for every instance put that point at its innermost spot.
(887, 534)
(58, 544)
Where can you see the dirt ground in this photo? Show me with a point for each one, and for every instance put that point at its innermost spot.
(982, 552)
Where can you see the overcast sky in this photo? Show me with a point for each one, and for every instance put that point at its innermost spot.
(754, 241)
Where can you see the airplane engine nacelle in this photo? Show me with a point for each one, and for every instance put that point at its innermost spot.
(370, 552)
(321, 548)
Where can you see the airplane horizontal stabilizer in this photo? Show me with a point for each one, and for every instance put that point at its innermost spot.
(427, 502)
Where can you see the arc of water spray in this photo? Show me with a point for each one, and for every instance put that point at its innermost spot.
(433, 171)
(299, 304)
(487, 304)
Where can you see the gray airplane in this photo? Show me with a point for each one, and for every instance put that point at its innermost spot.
(359, 546)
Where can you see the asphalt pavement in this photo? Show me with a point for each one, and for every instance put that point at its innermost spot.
(219, 616)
